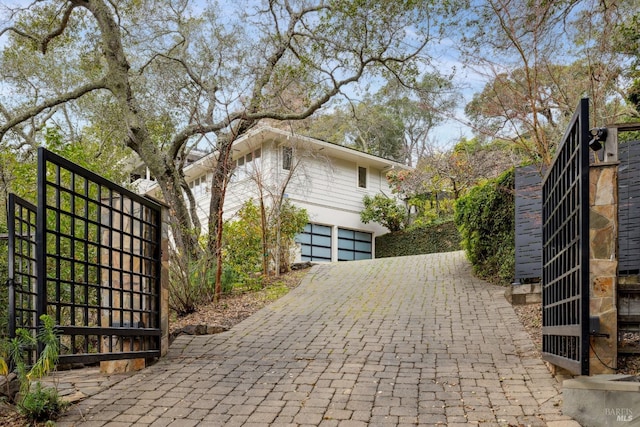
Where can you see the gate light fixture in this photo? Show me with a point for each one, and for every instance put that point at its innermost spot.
(598, 136)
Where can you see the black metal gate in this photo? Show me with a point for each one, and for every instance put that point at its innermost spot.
(565, 248)
(89, 256)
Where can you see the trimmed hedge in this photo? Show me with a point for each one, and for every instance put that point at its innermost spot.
(427, 239)
(486, 221)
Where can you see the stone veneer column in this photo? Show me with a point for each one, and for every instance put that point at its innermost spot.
(603, 269)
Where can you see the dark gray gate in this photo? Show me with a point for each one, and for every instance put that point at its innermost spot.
(629, 245)
(528, 245)
(97, 264)
(565, 250)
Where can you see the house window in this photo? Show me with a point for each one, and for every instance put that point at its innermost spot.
(199, 186)
(362, 177)
(287, 158)
(246, 165)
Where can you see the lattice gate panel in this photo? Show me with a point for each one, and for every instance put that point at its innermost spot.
(565, 235)
(21, 225)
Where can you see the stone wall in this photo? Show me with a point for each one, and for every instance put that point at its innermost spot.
(603, 243)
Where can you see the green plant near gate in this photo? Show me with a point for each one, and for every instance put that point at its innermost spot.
(33, 400)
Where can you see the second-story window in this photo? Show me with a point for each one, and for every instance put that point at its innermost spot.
(362, 177)
(287, 158)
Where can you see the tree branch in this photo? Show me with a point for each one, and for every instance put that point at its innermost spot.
(18, 32)
(44, 44)
(28, 113)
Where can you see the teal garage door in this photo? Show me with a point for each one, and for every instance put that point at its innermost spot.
(315, 242)
(353, 245)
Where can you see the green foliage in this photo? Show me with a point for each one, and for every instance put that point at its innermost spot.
(191, 283)
(627, 42)
(90, 153)
(485, 219)
(425, 239)
(42, 404)
(291, 222)
(385, 211)
(37, 404)
(243, 241)
(49, 357)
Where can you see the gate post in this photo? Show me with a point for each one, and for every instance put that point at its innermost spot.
(603, 265)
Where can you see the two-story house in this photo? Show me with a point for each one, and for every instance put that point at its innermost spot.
(326, 179)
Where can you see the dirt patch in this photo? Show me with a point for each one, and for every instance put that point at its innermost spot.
(233, 308)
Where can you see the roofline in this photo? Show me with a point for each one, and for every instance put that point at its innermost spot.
(321, 143)
(209, 160)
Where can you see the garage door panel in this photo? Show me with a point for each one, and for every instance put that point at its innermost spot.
(354, 245)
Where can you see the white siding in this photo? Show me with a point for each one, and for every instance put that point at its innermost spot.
(327, 187)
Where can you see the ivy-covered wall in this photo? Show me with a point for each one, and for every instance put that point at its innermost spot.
(485, 219)
(427, 239)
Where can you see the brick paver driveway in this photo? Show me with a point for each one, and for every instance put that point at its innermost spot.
(402, 341)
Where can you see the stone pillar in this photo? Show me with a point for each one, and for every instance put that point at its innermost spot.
(603, 269)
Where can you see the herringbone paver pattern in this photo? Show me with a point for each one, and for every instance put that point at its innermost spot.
(403, 341)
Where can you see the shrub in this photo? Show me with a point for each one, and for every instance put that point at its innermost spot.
(385, 211)
(242, 239)
(485, 219)
(41, 404)
(292, 221)
(191, 283)
(243, 244)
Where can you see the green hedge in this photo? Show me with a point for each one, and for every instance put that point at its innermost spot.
(485, 219)
(427, 239)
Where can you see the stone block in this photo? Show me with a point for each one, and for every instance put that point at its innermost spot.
(530, 293)
(602, 400)
(122, 366)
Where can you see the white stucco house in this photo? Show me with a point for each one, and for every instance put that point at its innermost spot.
(326, 179)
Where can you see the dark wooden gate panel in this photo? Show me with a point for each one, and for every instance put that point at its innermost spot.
(629, 247)
(629, 208)
(528, 245)
(565, 248)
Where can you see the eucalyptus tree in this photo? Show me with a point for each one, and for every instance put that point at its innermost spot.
(420, 109)
(164, 76)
